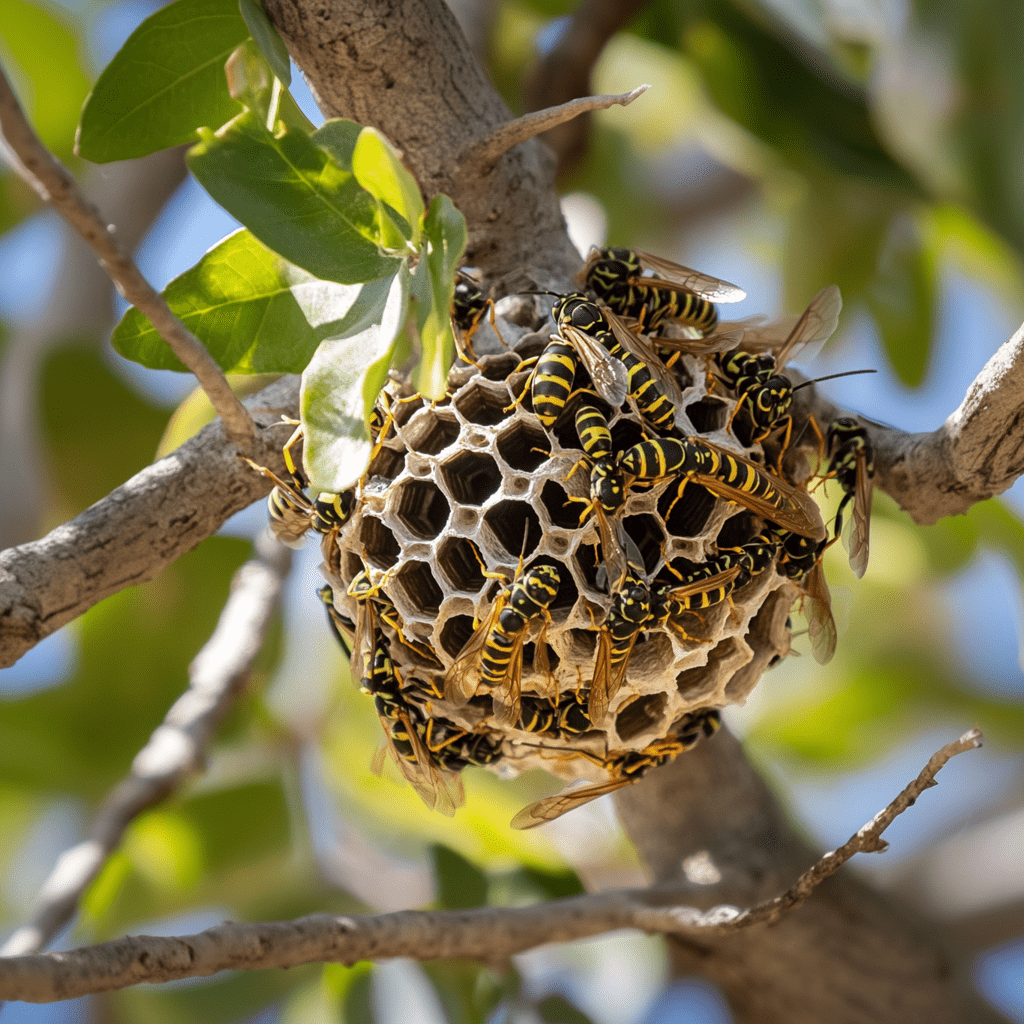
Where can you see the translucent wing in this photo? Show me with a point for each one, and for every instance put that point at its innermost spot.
(608, 373)
(644, 351)
(460, 683)
(612, 548)
(440, 791)
(860, 537)
(682, 339)
(506, 696)
(821, 627)
(790, 508)
(679, 278)
(601, 687)
(814, 327)
(364, 641)
(720, 579)
(555, 806)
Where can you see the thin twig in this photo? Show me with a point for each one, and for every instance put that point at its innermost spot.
(51, 180)
(177, 747)
(481, 154)
(129, 536)
(491, 934)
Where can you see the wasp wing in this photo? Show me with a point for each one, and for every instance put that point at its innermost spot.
(600, 687)
(555, 806)
(815, 326)
(821, 626)
(459, 683)
(506, 695)
(790, 508)
(860, 537)
(720, 579)
(644, 351)
(606, 371)
(679, 278)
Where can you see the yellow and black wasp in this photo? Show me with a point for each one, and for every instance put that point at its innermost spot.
(630, 610)
(800, 560)
(403, 724)
(729, 476)
(292, 513)
(624, 769)
(607, 489)
(650, 290)
(453, 748)
(566, 717)
(469, 304)
(652, 387)
(853, 466)
(764, 393)
(496, 646)
(703, 587)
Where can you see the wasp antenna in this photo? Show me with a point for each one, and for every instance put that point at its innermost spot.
(833, 376)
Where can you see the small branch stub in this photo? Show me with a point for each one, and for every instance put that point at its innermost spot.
(482, 154)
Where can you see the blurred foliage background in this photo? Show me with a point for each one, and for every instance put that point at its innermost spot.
(786, 144)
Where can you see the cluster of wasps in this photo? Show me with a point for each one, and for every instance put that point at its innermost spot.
(616, 345)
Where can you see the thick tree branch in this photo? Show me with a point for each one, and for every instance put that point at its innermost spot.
(407, 70)
(130, 535)
(491, 934)
(44, 173)
(976, 454)
(177, 747)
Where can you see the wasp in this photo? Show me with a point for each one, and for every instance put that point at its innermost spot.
(453, 748)
(402, 723)
(607, 489)
(762, 390)
(624, 769)
(702, 588)
(853, 465)
(651, 290)
(649, 384)
(341, 625)
(566, 717)
(499, 643)
(800, 560)
(630, 610)
(729, 476)
(292, 513)
(469, 304)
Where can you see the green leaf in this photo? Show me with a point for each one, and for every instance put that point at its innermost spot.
(33, 42)
(378, 169)
(460, 883)
(444, 241)
(902, 299)
(294, 197)
(267, 39)
(341, 384)
(164, 83)
(254, 311)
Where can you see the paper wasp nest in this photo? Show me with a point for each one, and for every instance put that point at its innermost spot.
(466, 483)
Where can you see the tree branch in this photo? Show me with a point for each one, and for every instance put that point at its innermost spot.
(491, 934)
(44, 173)
(130, 535)
(177, 747)
(976, 454)
(709, 825)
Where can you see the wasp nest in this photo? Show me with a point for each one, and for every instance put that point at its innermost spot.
(470, 501)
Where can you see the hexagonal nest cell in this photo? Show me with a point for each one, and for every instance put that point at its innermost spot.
(468, 500)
